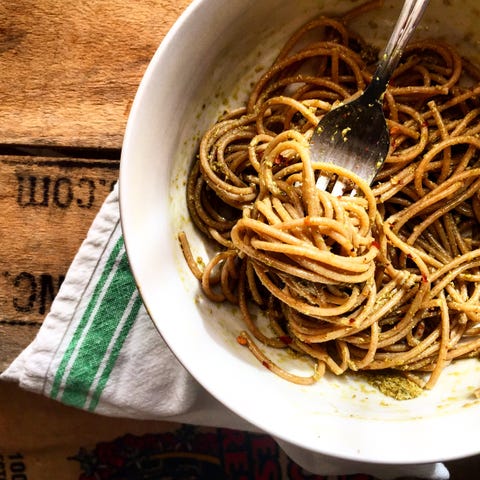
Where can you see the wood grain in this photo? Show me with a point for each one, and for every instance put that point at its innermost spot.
(44, 434)
(68, 75)
(69, 69)
(48, 204)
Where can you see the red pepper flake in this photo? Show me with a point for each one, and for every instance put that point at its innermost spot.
(281, 160)
(420, 330)
(242, 340)
(424, 278)
(394, 130)
(376, 244)
(266, 364)
(425, 124)
(351, 320)
(409, 255)
(285, 339)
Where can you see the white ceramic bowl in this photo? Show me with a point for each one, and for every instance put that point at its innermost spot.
(204, 66)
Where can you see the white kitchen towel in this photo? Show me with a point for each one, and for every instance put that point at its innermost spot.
(99, 351)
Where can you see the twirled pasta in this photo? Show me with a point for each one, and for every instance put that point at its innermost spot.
(386, 279)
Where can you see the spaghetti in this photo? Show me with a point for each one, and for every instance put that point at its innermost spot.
(386, 279)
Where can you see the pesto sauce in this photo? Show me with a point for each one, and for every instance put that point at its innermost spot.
(393, 385)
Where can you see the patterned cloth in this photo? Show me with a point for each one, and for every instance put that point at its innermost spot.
(98, 350)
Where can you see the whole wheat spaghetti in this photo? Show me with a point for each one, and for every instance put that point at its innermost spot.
(386, 279)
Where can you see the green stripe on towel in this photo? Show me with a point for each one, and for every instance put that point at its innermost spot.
(96, 343)
(115, 346)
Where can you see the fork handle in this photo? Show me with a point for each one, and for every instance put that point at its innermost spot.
(408, 20)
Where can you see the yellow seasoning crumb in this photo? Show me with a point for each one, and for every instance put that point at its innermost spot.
(393, 385)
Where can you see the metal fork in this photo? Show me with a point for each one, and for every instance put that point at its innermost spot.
(355, 135)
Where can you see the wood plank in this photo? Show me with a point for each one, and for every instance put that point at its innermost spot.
(43, 435)
(69, 70)
(48, 204)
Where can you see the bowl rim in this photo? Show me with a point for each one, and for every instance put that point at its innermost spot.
(127, 162)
